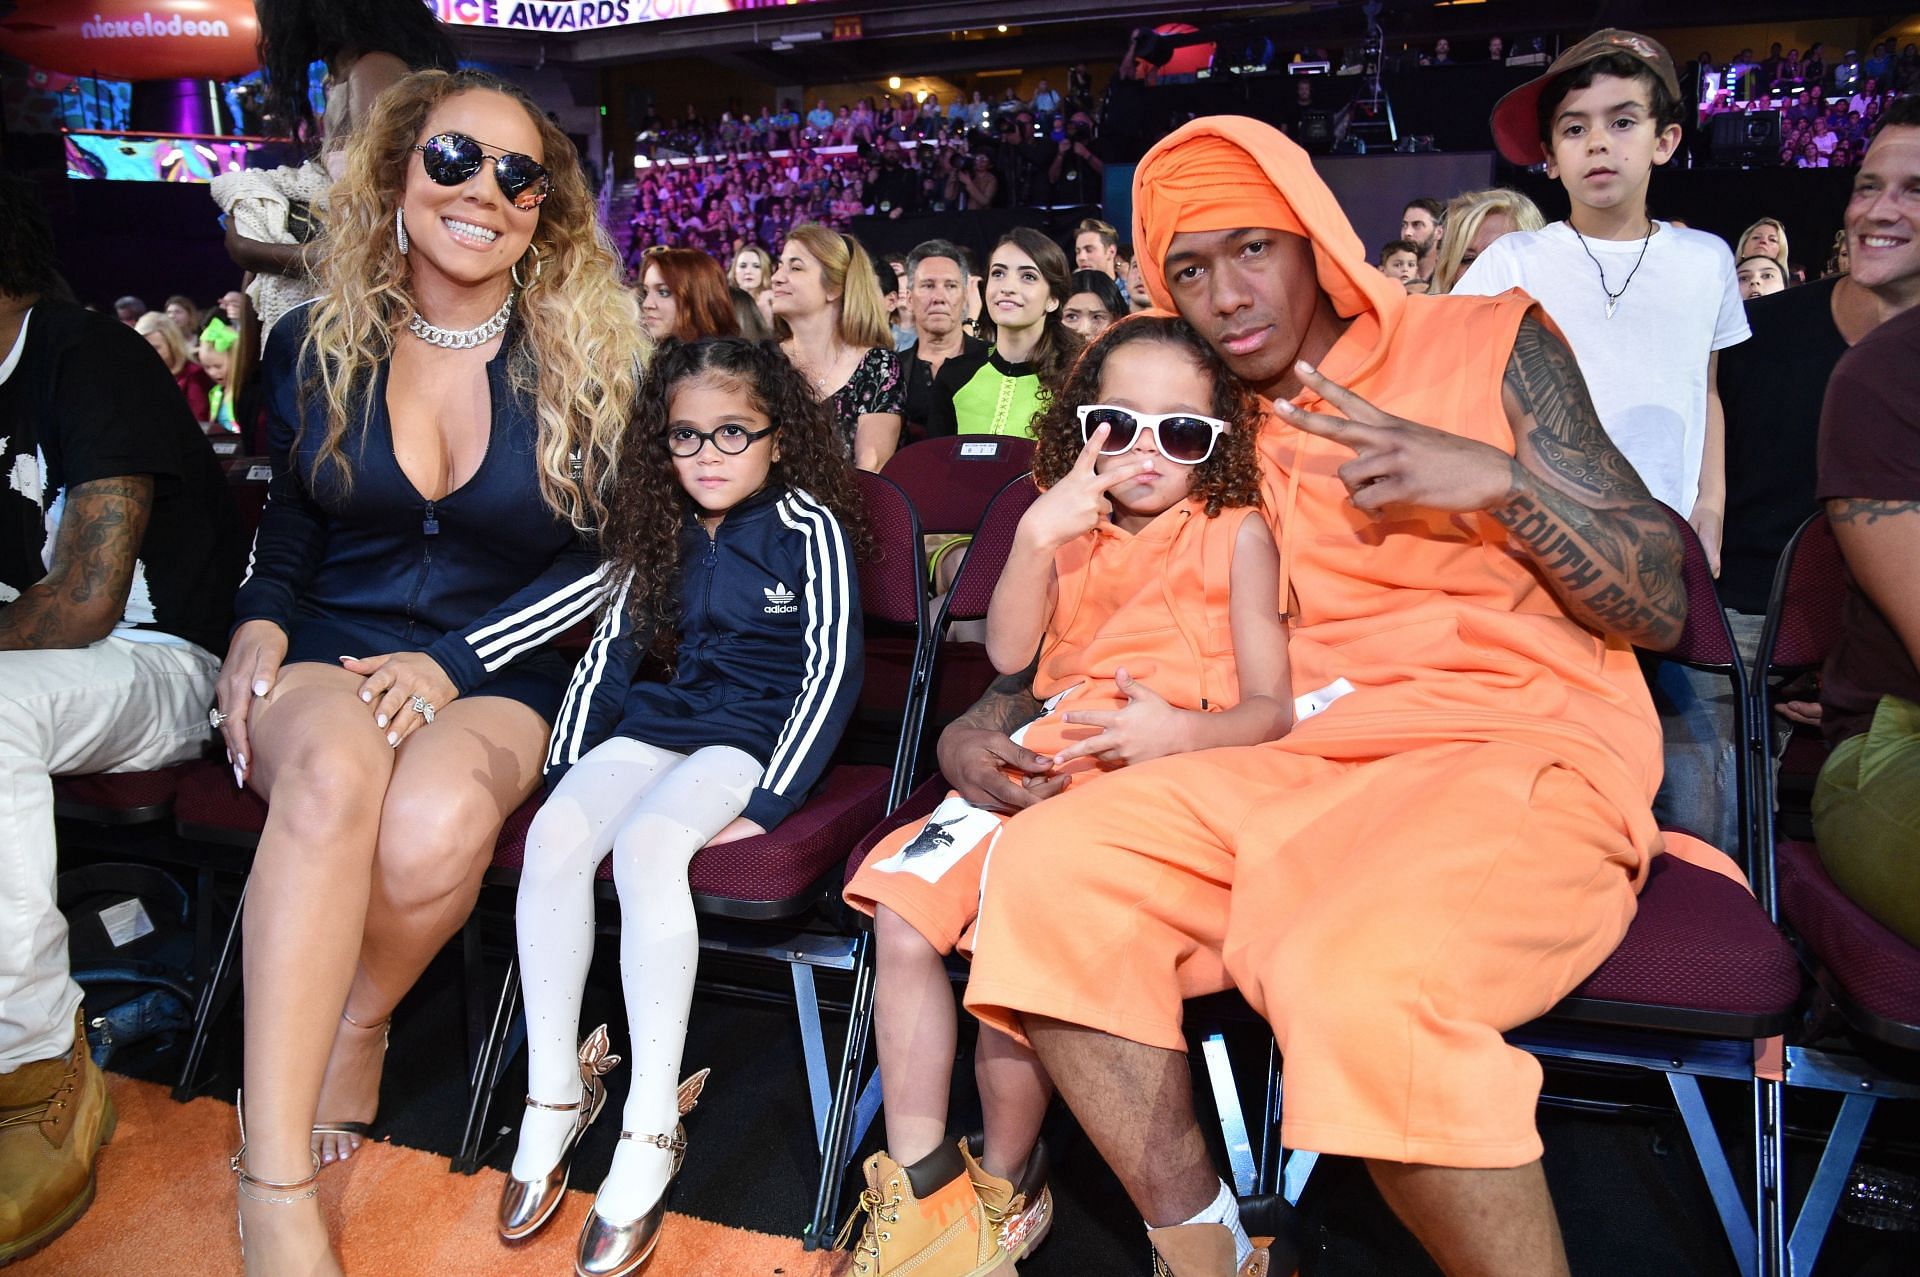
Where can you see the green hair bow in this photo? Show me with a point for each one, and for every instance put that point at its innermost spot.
(220, 335)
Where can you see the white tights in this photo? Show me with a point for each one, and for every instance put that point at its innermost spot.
(653, 809)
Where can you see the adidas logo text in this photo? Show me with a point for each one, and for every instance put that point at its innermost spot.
(779, 599)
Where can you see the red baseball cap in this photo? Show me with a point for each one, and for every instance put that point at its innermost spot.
(1516, 122)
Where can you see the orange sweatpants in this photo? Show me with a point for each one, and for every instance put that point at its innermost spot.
(1389, 918)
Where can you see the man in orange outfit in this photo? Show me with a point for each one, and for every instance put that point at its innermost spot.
(1449, 847)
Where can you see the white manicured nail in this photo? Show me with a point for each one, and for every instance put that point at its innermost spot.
(393, 738)
(259, 687)
(367, 697)
(239, 779)
(379, 720)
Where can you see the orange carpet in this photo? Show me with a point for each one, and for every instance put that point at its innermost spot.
(165, 1205)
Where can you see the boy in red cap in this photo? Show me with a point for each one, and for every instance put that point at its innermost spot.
(1646, 306)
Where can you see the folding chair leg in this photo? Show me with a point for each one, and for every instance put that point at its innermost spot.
(1770, 1173)
(1829, 1183)
(836, 1125)
(1728, 1200)
(214, 996)
(1270, 1150)
(1233, 1118)
(489, 1061)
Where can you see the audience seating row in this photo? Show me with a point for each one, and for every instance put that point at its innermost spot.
(1702, 984)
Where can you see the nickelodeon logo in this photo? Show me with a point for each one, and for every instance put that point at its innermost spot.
(148, 25)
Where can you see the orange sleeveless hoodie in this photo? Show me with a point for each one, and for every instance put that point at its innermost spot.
(1443, 627)
(1154, 603)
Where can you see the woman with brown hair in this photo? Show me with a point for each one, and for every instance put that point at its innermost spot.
(684, 295)
(830, 314)
(442, 418)
(1004, 389)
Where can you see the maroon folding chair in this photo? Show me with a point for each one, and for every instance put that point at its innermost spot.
(1869, 975)
(952, 480)
(789, 878)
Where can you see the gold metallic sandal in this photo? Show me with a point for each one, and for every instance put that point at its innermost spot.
(526, 1205)
(358, 1130)
(608, 1249)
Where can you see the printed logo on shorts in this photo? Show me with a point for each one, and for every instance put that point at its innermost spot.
(779, 599)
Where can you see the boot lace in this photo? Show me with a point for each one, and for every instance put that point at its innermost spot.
(879, 1209)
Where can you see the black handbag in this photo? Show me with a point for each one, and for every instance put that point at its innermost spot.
(130, 947)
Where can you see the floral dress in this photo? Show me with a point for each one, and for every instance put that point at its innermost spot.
(877, 386)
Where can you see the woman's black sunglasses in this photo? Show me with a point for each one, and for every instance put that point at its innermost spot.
(453, 158)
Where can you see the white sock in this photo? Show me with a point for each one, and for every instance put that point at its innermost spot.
(1224, 1209)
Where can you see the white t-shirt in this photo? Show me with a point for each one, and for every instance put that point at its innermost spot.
(1646, 367)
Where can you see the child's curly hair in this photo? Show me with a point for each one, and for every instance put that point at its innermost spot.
(647, 510)
(1227, 479)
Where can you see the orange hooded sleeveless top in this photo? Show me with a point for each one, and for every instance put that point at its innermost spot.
(1154, 603)
(1443, 627)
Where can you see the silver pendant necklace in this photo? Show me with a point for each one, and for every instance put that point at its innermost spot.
(1613, 298)
(462, 338)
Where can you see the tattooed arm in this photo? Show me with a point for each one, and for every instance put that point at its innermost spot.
(1569, 499)
(1881, 542)
(1578, 509)
(975, 751)
(84, 593)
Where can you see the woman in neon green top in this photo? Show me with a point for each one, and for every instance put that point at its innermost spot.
(1001, 390)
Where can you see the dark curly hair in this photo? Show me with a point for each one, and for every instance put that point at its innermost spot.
(294, 34)
(646, 508)
(1228, 479)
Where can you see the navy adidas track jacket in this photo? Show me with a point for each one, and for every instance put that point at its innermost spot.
(769, 658)
(476, 579)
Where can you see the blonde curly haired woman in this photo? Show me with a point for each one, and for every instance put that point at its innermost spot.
(442, 419)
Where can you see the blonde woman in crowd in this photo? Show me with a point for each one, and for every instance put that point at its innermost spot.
(394, 717)
(831, 317)
(1765, 238)
(1474, 220)
(752, 273)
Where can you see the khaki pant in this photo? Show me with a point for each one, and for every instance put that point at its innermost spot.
(1866, 817)
(115, 706)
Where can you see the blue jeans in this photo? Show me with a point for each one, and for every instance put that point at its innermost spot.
(1699, 792)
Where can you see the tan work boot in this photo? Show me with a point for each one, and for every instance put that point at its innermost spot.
(54, 1116)
(924, 1219)
(1203, 1250)
(1019, 1214)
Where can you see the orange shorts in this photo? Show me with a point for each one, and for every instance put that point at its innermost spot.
(929, 872)
(1390, 918)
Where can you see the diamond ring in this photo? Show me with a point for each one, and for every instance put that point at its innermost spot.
(424, 708)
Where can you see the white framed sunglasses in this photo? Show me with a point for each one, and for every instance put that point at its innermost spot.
(1185, 437)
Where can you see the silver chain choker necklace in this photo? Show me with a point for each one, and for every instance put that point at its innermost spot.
(463, 338)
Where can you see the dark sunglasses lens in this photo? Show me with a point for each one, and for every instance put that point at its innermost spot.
(1121, 428)
(450, 158)
(522, 180)
(1185, 438)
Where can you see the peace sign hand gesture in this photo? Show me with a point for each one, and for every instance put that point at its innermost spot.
(1075, 505)
(1401, 462)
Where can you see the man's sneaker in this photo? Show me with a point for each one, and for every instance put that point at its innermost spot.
(54, 1116)
(1020, 1214)
(924, 1219)
(1205, 1250)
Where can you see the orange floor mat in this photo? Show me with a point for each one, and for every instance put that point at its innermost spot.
(165, 1205)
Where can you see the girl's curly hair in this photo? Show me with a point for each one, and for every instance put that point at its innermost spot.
(1227, 479)
(647, 510)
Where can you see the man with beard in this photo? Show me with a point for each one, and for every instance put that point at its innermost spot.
(1444, 851)
(1422, 222)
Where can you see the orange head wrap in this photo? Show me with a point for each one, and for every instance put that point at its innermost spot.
(1227, 173)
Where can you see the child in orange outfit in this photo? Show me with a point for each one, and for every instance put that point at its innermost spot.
(1147, 585)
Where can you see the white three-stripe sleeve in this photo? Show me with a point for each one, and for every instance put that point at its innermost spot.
(600, 668)
(538, 622)
(830, 622)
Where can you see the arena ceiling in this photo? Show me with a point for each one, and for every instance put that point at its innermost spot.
(795, 44)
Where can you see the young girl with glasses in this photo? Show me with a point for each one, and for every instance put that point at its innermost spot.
(731, 538)
(1140, 598)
